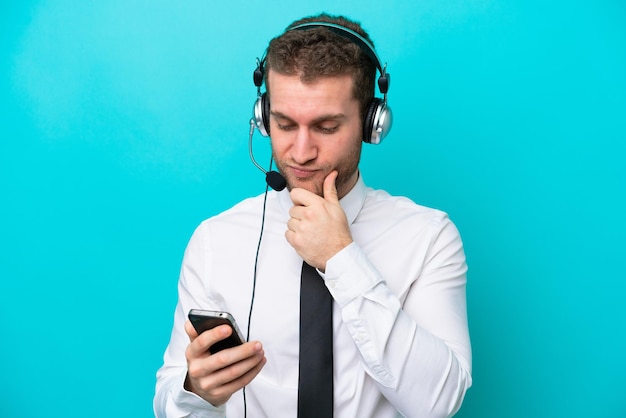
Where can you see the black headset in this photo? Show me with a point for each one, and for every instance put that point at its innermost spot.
(378, 117)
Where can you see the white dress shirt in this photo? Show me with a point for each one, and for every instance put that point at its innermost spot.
(401, 341)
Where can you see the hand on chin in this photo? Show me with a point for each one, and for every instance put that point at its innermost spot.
(313, 184)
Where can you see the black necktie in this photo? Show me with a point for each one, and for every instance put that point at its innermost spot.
(315, 383)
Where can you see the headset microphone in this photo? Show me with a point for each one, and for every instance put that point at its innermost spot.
(273, 178)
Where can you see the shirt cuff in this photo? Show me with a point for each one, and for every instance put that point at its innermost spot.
(349, 274)
(188, 404)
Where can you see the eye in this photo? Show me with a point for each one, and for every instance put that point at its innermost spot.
(285, 126)
(328, 129)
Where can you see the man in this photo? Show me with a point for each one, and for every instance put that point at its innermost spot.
(396, 270)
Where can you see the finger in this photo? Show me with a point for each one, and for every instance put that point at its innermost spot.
(289, 237)
(302, 197)
(330, 190)
(296, 212)
(200, 346)
(223, 366)
(238, 360)
(248, 369)
(221, 384)
(190, 330)
(291, 224)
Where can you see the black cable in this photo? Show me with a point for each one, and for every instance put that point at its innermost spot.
(256, 262)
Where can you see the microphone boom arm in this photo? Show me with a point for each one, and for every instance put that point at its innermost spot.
(252, 126)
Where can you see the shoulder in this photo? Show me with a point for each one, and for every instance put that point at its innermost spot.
(243, 214)
(381, 203)
(405, 224)
(400, 217)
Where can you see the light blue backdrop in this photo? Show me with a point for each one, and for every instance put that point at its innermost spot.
(123, 124)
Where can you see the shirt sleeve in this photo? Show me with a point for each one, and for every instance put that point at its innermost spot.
(417, 349)
(171, 399)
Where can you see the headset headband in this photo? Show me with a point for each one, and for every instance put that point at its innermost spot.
(355, 37)
(365, 45)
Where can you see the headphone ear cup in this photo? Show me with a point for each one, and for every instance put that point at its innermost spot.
(368, 120)
(377, 122)
(261, 112)
(266, 112)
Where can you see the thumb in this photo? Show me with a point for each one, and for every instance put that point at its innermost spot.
(190, 330)
(330, 190)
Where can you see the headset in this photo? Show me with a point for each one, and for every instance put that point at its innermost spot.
(378, 117)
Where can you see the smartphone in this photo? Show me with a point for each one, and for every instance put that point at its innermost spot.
(205, 320)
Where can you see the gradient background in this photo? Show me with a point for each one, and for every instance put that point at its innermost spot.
(123, 124)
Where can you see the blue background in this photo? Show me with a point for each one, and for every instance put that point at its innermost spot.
(123, 124)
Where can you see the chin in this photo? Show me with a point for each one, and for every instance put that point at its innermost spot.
(309, 185)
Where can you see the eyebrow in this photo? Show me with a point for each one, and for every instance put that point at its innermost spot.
(330, 116)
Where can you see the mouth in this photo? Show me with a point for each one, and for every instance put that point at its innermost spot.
(302, 173)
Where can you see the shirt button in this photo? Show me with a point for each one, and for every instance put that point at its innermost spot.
(332, 284)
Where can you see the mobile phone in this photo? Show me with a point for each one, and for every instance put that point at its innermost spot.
(205, 320)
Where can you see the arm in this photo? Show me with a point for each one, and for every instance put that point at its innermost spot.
(414, 343)
(417, 351)
(191, 380)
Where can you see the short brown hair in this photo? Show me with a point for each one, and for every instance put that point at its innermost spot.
(320, 52)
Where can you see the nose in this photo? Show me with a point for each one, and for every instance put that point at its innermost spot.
(304, 148)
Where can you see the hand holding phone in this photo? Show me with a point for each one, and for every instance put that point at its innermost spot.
(206, 373)
(206, 320)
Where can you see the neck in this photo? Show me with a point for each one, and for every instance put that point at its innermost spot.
(344, 188)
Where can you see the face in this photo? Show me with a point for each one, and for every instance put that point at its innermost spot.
(315, 129)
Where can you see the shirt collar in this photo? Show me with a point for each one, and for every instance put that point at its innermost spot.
(351, 203)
